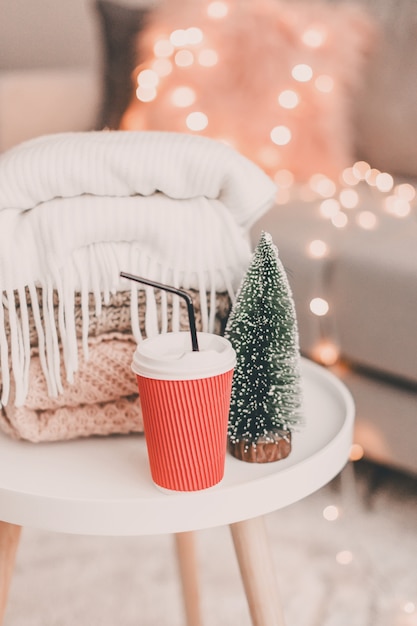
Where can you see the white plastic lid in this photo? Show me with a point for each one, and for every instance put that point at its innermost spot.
(169, 356)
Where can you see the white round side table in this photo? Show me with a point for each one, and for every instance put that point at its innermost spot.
(102, 486)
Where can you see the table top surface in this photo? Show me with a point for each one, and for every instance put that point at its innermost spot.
(102, 485)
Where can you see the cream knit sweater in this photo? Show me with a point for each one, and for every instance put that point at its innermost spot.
(78, 208)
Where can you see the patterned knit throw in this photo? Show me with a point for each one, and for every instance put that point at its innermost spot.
(78, 208)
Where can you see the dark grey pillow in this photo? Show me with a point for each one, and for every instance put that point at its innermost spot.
(120, 27)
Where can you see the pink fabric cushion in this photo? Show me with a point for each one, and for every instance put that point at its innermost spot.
(250, 91)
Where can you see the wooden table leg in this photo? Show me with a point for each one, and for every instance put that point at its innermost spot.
(9, 540)
(256, 567)
(187, 561)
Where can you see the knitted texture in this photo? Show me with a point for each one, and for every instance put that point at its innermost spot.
(115, 314)
(103, 398)
(78, 208)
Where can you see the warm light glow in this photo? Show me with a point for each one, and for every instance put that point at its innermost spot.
(314, 37)
(324, 83)
(384, 182)
(282, 196)
(162, 67)
(397, 206)
(339, 220)
(197, 121)
(280, 135)
(367, 220)
(184, 58)
(356, 452)
(360, 169)
(409, 607)
(269, 156)
(322, 185)
(344, 557)
(318, 249)
(217, 10)
(163, 48)
(288, 99)
(183, 96)
(146, 94)
(148, 78)
(302, 72)
(405, 191)
(349, 198)
(319, 306)
(329, 208)
(326, 353)
(194, 35)
(371, 176)
(348, 177)
(331, 513)
(208, 58)
(284, 178)
(178, 38)
(372, 438)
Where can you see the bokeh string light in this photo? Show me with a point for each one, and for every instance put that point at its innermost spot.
(182, 47)
(185, 57)
(351, 551)
(343, 203)
(362, 198)
(365, 197)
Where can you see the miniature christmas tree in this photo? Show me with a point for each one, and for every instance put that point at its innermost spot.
(266, 392)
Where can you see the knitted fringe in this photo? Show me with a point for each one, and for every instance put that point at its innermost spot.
(32, 316)
(78, 208)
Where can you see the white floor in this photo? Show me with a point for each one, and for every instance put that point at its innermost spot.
(359, 569)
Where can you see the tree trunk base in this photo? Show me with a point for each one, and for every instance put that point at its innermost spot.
(273, 446)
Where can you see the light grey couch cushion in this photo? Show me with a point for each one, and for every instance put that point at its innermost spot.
(369, 279)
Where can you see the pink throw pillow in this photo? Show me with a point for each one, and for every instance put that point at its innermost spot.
(274, 79)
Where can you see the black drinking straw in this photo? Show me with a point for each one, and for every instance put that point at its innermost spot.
(178, 292)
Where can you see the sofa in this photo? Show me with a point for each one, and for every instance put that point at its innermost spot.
(364, 272)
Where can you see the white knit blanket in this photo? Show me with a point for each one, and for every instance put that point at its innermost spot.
(78, 208)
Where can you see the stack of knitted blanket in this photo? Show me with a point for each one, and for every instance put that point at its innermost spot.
(75, 210)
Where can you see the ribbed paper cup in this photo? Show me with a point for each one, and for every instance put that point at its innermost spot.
(185, 399)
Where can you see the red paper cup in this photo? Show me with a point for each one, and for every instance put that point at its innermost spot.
(185, 398)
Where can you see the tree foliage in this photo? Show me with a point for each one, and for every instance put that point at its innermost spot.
(262, 327)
